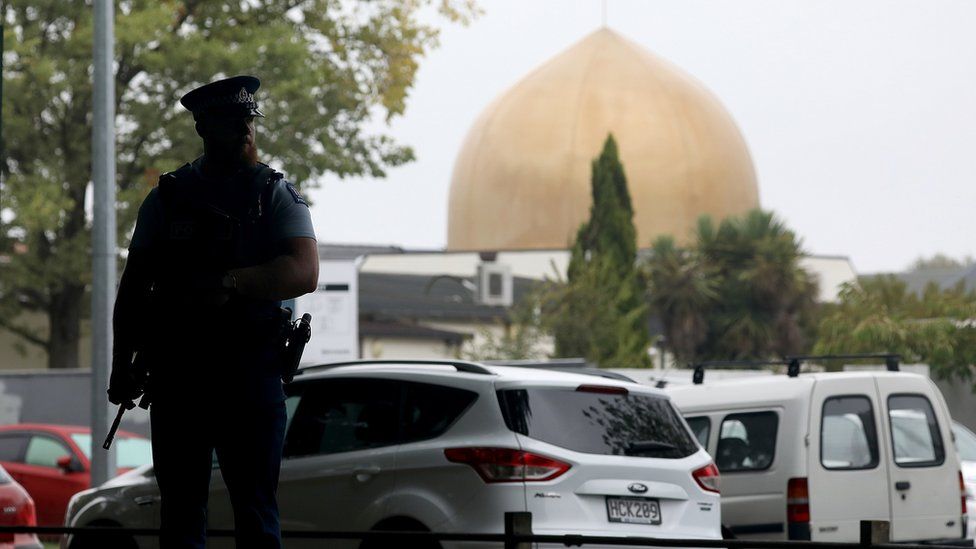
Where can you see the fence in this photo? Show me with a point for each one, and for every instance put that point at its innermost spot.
(517, 535)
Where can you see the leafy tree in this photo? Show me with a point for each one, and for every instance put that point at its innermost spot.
(523, 336)
(600, 313)
(879, 314)
(737, 293)
(940, 261)
(328, 68)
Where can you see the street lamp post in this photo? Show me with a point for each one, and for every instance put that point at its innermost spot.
(103, 235)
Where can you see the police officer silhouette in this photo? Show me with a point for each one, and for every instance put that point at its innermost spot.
(218, 244)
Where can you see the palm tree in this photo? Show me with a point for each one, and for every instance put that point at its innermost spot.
(682, 293)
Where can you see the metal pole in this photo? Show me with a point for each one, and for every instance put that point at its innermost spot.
(103, 235)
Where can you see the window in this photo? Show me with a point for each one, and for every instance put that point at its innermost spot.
(915, 437)
(12, 447)
(848, 438)
(45, 452)
(344, 415)
(429, 410)
(701, 426)
(747, 442)
(631, 424)
(131, 452)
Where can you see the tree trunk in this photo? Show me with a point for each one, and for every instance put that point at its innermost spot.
(64, 319)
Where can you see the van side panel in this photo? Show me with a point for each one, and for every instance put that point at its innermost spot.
(754, 501)
(847, 459)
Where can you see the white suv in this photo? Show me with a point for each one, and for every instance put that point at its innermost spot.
(452, 446)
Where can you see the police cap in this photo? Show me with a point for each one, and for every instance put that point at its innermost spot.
(230, 97)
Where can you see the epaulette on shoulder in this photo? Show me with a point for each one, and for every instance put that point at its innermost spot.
(175, 176)
(267, 174)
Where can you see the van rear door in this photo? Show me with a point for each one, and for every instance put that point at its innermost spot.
(923, 472)
(848, 469)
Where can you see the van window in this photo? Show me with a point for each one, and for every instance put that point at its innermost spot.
(848, 439)
(747, 442)
(700, 426)
(633, 424)
(915, 437)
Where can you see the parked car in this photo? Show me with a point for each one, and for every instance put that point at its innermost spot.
(966, 443)
(16, 509)
(52, 462)
(808, 457)
(452, 446)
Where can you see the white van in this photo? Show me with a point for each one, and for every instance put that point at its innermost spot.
(808, 457)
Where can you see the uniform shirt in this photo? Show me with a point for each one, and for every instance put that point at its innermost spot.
(290, 217)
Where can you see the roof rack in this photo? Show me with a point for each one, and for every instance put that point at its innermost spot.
(793, 362)
(698, 377)
(460, 365)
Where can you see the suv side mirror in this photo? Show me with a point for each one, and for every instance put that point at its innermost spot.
(68, 464)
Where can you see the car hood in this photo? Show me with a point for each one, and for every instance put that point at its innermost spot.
(968, 471)
(139, 475)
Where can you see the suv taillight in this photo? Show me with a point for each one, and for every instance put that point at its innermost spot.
(798, 509)
(508, 465)
(707, 477)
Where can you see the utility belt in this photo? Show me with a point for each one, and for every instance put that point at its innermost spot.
(246, 333)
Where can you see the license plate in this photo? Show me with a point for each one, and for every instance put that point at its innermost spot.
(633, 510)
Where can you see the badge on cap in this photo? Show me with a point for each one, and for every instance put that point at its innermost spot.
(230, 97)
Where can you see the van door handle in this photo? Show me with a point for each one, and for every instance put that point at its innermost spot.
(903, 485)
(363, 474)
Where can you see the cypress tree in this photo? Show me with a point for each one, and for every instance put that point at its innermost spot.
(603, 311)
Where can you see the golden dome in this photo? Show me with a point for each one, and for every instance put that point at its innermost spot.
(522, 178)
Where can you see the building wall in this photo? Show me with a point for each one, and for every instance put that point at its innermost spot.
(395, 347)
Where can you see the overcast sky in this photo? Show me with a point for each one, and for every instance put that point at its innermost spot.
(860, 115)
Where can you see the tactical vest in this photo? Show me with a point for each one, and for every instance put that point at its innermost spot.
(208, 230)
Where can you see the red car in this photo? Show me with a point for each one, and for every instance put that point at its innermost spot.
(52, 462)
(16, 509)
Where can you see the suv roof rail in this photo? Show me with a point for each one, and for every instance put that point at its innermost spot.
(459, 365)
(891, 360)
(568, 365)
(698, 377)
(541, 363)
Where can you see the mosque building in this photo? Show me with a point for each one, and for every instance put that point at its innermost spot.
(522, 178)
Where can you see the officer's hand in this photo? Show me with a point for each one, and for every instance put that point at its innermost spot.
(124, 385)
(211, 290)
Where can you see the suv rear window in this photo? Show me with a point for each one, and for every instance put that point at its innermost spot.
(631, 424)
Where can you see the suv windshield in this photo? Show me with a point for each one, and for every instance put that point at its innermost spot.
(628, 424)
